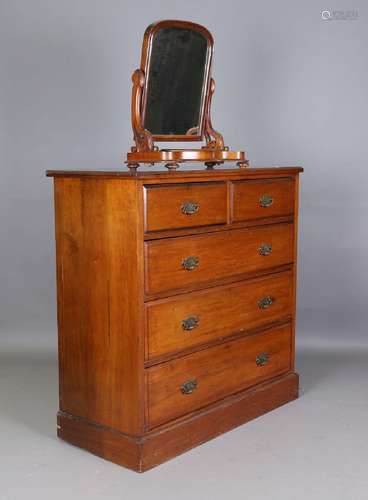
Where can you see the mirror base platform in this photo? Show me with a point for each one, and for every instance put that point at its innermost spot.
(172, 158)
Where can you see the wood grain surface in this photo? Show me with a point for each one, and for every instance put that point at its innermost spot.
(217, 371)
(217, 312)
(164, 205)
(219, 255)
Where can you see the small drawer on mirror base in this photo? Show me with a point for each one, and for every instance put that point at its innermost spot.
(177, 206)
(262, 198)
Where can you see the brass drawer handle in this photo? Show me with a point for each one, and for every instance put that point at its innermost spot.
(265, 302)
(189, 208)
(265, 201)
(262, 359)
(265, 249)
(190, 323)
(190, 263)
(189, 386)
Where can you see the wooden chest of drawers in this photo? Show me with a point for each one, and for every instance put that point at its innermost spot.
(176, 306)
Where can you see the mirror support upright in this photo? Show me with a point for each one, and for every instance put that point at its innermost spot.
(143, 138)
(217, 143)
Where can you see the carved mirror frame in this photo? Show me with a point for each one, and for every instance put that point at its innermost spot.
(145, 65)
(214, 152)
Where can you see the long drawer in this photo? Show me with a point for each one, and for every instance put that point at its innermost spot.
(183, 385)
(191, 261)
(184, 321)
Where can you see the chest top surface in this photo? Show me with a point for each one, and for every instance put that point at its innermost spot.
(162, 176)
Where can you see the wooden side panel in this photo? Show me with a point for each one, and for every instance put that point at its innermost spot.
(100, 282)
(217, 312)
(295, 264)
(216, 373)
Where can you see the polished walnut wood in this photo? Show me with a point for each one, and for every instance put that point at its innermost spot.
(173, 157)
(150, 177)
(100, 318)
(170, 440)
(218, 256)
(263, 198)
(155, 358)
(185, 205)
(215, 373)
(218, 312)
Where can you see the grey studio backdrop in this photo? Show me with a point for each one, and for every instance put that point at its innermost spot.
(291, 89)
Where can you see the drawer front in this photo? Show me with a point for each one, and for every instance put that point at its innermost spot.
(186, 384)
(264, 198)
(185, 205)
(177, 263)
(198, 317)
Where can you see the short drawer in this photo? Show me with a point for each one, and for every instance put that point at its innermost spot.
(263, 198)
(183, 385)
(191, 261)
(185, 205)
(194, 318)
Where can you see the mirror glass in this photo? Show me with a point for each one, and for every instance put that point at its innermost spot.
(176, 77)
